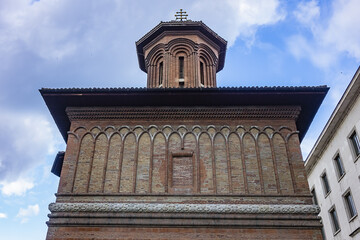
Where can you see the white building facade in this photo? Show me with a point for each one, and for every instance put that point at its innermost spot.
(333, 167)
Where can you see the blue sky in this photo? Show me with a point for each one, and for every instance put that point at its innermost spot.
(55, 44)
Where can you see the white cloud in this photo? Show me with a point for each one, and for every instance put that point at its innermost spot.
(54, 29)
(307, 12)
(47, 37)
(339, 34)
(59, 29)
(343, 30)
(26, 141)
(30, 211)
(42, 38)
(301, 48)
(18, 187)
(3, 215)
(239, 18)
(33, 25)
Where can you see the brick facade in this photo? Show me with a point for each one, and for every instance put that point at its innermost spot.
(194, 162)
(111, 157)
(184, 162)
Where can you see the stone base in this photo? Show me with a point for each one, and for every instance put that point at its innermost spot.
(74, 233)
(182, 221)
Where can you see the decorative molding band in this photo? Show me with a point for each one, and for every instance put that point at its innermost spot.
(244, 112)
(184, 208)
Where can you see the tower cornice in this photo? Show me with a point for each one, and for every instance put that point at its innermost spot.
(176, 26)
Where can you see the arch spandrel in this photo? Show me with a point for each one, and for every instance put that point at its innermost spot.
(80, 131)
(124, 130)
(95, 130)
(285, 131)
(152, 130)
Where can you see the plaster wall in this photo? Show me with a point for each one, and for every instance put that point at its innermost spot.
(341, 145)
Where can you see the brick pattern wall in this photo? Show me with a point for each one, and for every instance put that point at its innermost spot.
(127, 165)
(237, 175)
(251, 165)
(206, 171)
(113, 164)
(143, 164)
(228, 159)
(268, 169)
(158, 164)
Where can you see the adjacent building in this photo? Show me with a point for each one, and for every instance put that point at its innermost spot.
(182, 158)
(333, 167)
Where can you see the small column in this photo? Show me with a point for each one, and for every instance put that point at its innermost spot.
(148, 76)
(166, 69)
(196, 69)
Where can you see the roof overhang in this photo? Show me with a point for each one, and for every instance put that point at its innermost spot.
(176, 26)
(308, 98)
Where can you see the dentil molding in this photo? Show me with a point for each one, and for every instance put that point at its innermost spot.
(244, 112)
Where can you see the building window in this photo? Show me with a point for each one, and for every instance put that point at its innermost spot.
(325, 184)
(339, 166)
(334, 220)
(350, 205)
(161, 73)
(355, 143)
(313, 193)
(181, 67)
(202, 77)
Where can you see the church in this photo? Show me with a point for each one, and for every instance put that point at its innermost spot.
(182, 158)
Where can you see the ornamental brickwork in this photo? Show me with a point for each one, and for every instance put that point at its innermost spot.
(208, 159)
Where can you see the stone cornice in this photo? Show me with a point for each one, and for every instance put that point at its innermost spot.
(184, 208)
(245, 112)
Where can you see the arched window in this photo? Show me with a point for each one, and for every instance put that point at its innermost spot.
(181, 67)
(181, 72)
(161, 73)
(202, 77)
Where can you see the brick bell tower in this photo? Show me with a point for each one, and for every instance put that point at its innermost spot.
(183, 159)
(181, 54)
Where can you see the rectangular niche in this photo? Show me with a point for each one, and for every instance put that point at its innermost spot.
(181, 173)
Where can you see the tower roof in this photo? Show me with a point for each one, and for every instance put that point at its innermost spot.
(177, 26)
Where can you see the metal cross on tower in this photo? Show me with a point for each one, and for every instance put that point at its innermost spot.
(181, 15)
